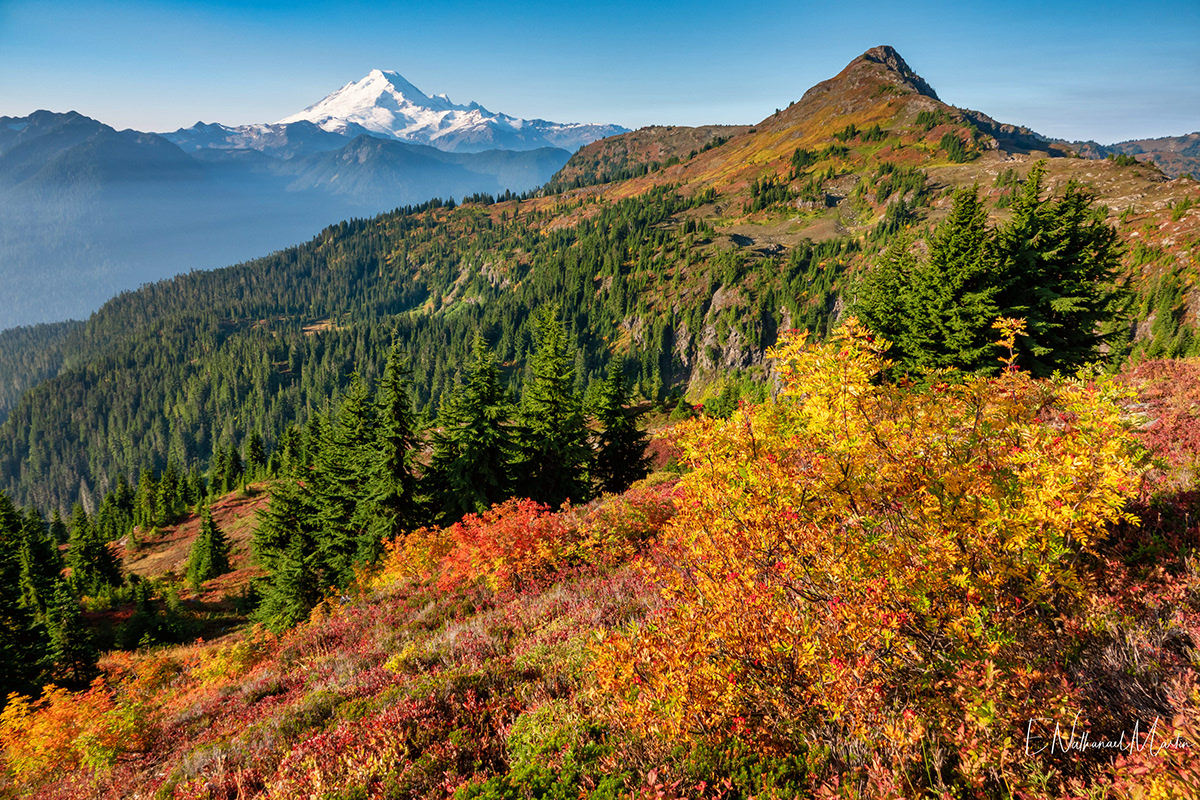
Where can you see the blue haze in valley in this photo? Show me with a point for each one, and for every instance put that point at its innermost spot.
(91, 208)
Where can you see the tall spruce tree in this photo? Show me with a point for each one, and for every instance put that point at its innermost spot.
(71, 650)
(392, 503)
(554, 455)
(951, 303)
(1053, 265)
(470, 468)
(93, 565)
(285, 545)
(41, 565)
(295, 587)
(338, 480)
(1060, 259)
(22, 637)
(621, 456)
(209, 556)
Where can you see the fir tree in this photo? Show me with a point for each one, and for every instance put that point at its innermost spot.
(284, 544)
(621, 456)
(93, 565)
(256, 455)
(22, 637)
(71, 650)
(951, 304)
(294, 589)
(1061, 259)
(553, 437)
(338, 477)
(392, 504)
(470, 467)
(41, 565)
(209, 556)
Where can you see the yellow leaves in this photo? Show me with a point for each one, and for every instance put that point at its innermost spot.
(832, 539)
(64, 730)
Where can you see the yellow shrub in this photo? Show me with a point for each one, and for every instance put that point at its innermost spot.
(838, 549)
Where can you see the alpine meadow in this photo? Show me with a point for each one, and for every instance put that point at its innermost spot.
(849, 454)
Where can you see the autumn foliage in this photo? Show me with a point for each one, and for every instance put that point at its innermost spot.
(847, 555)
(521, 543)
(861, 589)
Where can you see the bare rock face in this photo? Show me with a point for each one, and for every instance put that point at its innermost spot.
(887, 56)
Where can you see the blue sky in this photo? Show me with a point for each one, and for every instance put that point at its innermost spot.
(1070, 69)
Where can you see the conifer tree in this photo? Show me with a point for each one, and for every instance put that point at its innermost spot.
(59, 531)
(22, 638)
(285, 544)
(41, 565)
(294, 589)
(93, 565)
(209, 556)
(71, 650)
(145, 512)
(256, 456)
(1053, 265)
(470, 469)
(1060, 259)
(234, 470)
(338, 480)
(169, 502)
(391, 503)
(621, 456)
(554, 455)
(883, 302)
(951, 304)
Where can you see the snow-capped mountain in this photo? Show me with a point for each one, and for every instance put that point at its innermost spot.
(385, 104)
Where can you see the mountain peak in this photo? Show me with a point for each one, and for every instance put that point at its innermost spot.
(386, 104)
(887, 56)
(878, 66)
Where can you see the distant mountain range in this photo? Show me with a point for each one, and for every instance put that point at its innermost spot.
(90, 211)
(1174, 155)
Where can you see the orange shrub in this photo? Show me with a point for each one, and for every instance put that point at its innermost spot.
(518, 543)
(65, 730)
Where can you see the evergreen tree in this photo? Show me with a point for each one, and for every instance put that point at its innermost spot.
(145, 512)
(71, 650)
(338, 478)
(41, 565)
(256, 455)
(294, 589)
(93, 565)
(621, 456)
(1060, 259)
(234, 470)
(553, 438)
(209, 556)
(391, 504)
(951, 304)
(22, 638)
(882, 301)
(59, 531)
(284, 544)
(1053, 265)
(470, 469)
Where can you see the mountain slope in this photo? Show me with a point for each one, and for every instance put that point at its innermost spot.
(686, 273)
(91, 211)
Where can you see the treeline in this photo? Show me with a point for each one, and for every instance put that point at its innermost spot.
(184, 368)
